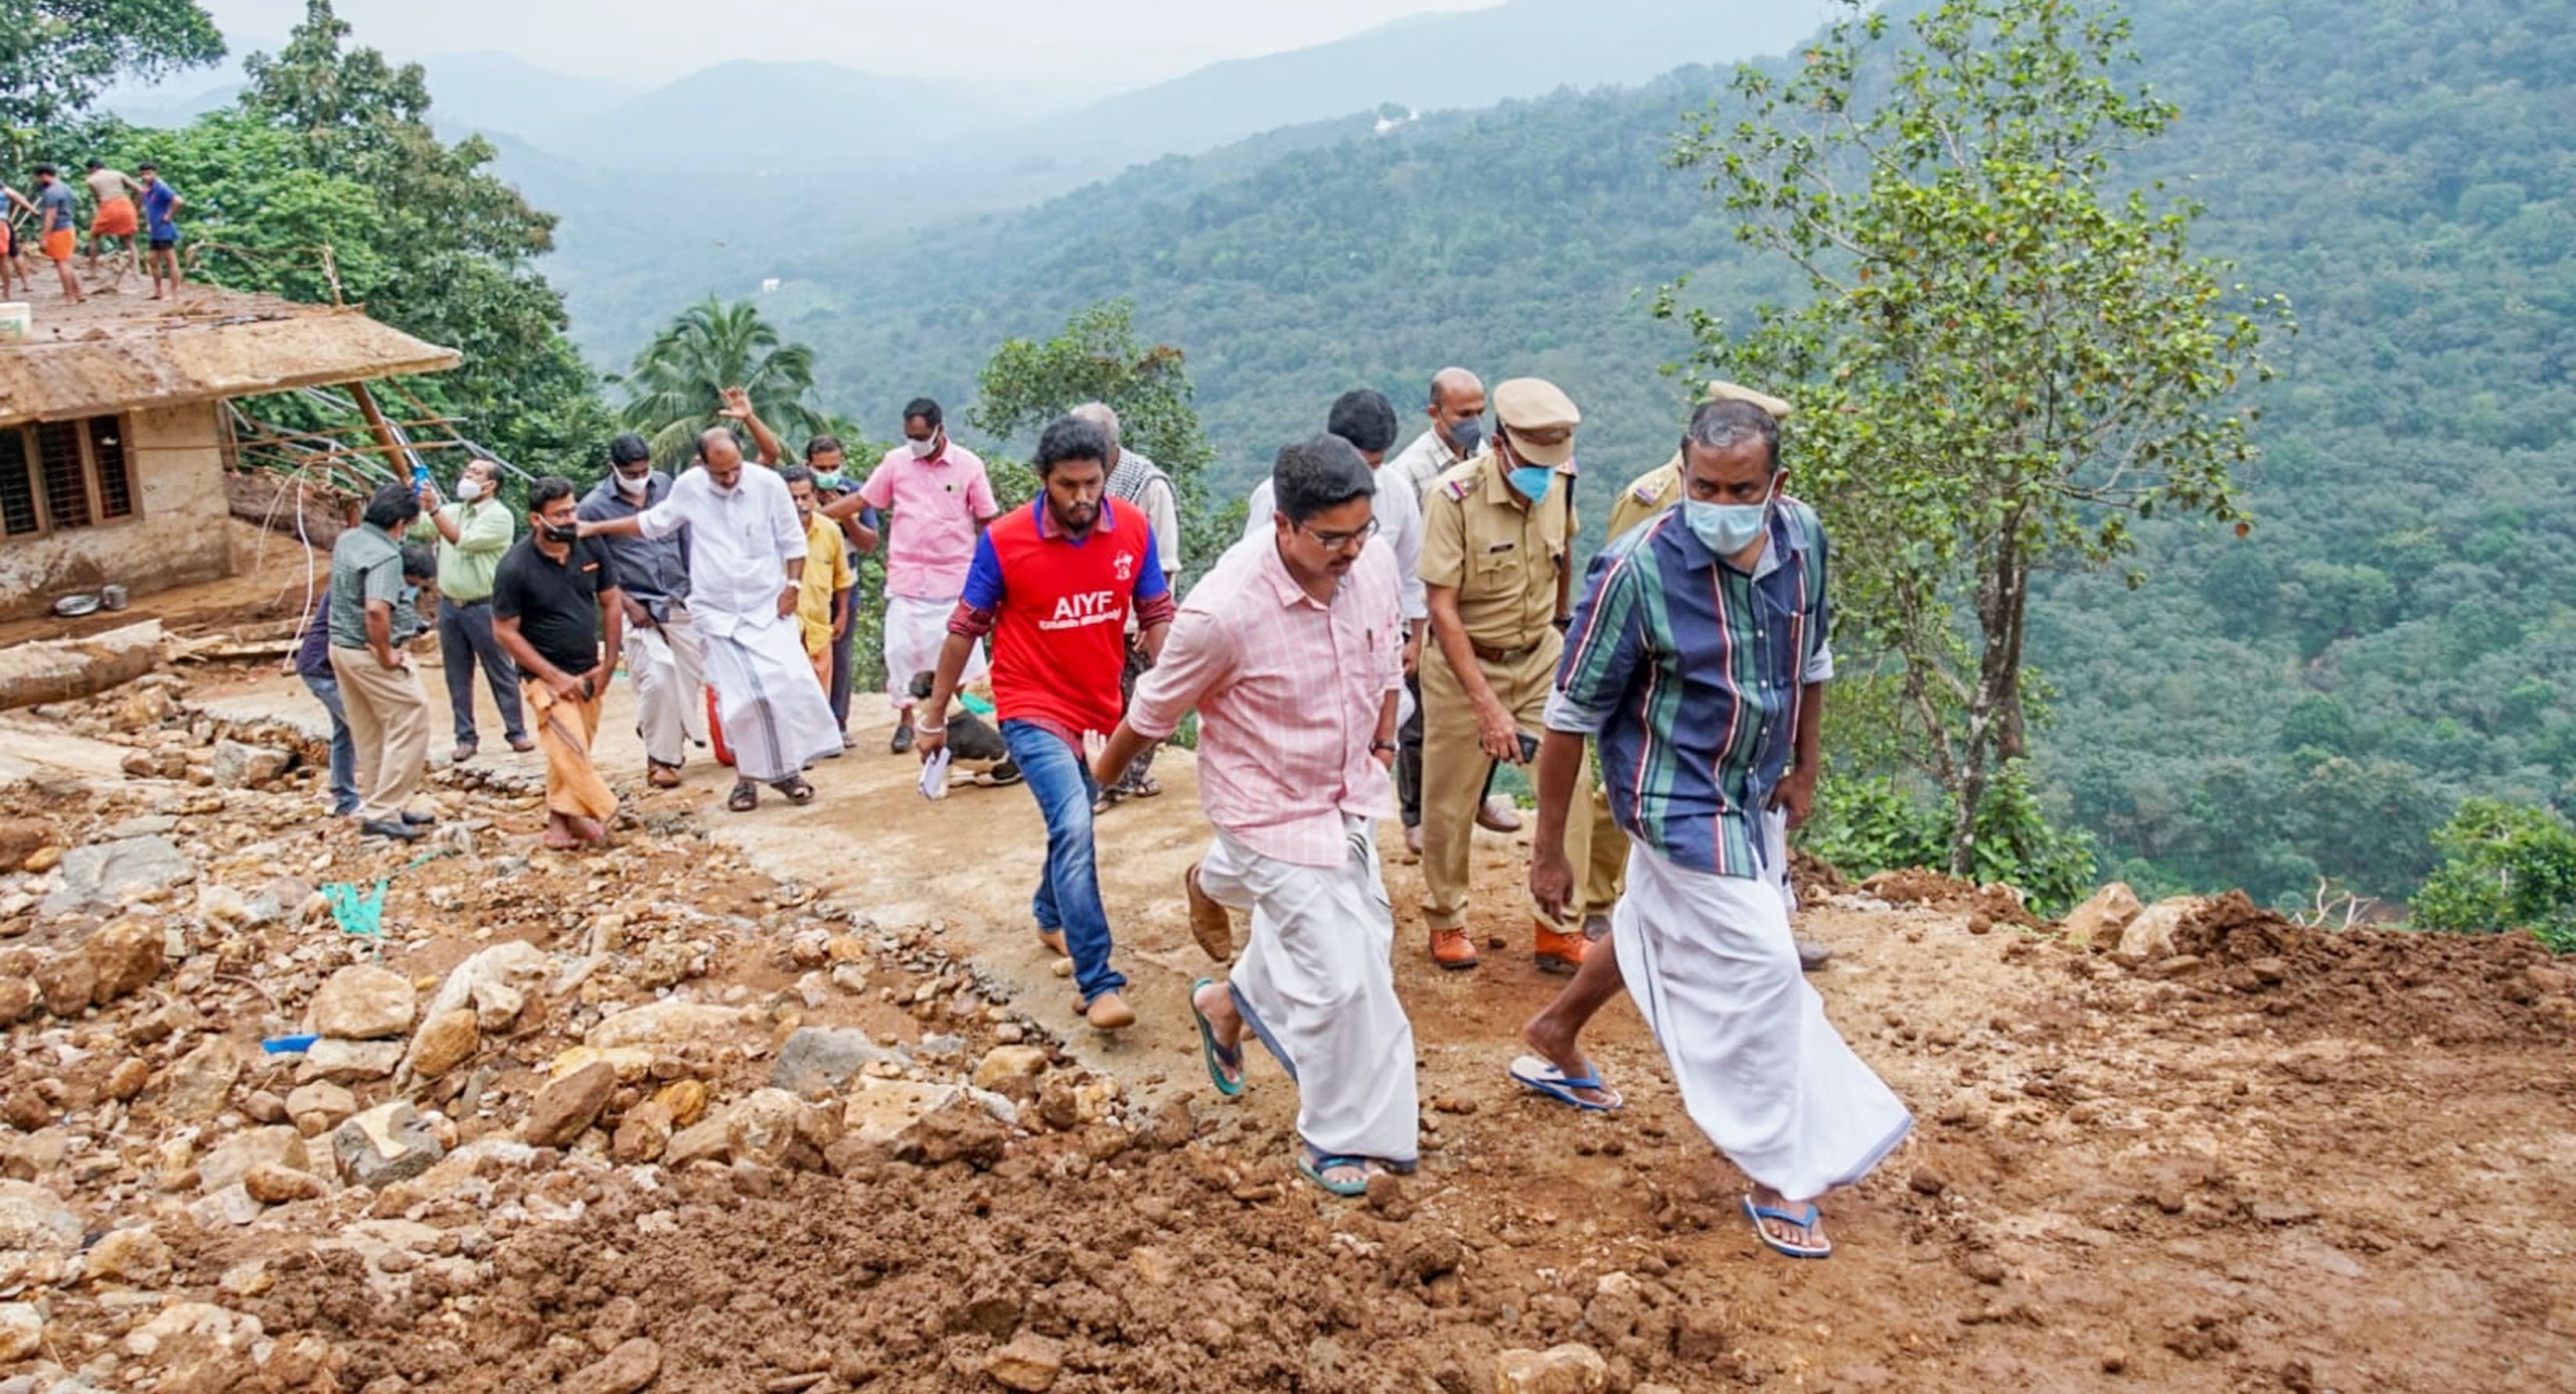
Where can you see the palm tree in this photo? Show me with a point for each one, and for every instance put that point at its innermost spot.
(673, 389)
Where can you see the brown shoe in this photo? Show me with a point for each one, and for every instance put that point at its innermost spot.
(1107, 1012)
(1209, 922)
(1560, 953)
(1452, 949)
(1497, 815)
(661, 776)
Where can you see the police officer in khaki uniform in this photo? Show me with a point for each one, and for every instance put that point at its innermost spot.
(1497, 530)
(1595, 844)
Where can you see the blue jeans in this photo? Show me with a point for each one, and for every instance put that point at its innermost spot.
(344, 747)
(1068, 897)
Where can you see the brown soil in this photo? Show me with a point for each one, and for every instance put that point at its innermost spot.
(1933, 890)
(2351, 1178)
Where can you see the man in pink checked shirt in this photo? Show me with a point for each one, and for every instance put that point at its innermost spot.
(1292, 649)
(940, 501)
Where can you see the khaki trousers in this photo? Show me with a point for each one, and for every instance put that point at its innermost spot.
(389, 721)
(1454, 765)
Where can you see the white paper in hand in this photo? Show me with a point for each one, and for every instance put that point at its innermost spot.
(934, 775)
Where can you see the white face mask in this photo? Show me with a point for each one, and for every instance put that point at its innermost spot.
(924, 449)
(469, 489)
(638, 485)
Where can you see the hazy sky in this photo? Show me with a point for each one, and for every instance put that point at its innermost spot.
(1081, 47)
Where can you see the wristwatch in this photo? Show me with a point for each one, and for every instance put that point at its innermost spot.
(1381, 747)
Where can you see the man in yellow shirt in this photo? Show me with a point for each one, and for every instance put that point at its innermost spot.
(823, 605)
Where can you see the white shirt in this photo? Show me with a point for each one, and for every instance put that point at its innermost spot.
(740, 541)
(1399, 520)
(1422, 462)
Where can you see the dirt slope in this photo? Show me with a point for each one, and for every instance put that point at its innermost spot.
(2300, 1161)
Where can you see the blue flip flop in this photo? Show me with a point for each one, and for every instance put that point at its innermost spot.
(1219, 1059)
(1536, 1072)
(1758, 1213)
(1312, 1165)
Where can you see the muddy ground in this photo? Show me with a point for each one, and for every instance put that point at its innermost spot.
(2276, 1158)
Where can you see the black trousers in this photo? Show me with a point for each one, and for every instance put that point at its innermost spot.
(465, 641)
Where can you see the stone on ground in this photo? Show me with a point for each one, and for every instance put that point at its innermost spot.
(97, 877)
(565, 1109)
(127, 955)
(1566, 1369)
(631, 1366)
(817, 1058)
(364, 1002)
(388, 1143)
(1029, 1363)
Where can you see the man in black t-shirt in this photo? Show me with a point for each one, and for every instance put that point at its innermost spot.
(548, 598)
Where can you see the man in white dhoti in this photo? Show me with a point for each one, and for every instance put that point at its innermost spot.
(746, 570)
(1292, 650)
(1689, 660)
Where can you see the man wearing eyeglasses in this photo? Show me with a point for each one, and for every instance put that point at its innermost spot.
(1292, 650)
(1496, 530)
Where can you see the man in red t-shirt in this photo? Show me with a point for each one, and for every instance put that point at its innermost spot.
(1052, 584)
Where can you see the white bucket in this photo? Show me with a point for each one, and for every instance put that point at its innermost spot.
(17, 321)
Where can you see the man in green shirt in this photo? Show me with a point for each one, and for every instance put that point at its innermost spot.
(473, 533)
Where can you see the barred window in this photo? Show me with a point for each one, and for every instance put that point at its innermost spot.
(65, 474)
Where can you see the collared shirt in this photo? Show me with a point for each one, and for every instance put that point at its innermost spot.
(1288, 691)
(1421, 463)
(556, 602)
(366, 564)
(1689, 672)
(313, 650)
(936, 503)
(465, 566)
(654, 570)
(1141, 482)
(740, 542)
(1057, 607)
(1399, 521)
(1500, 552)
(827, 573)
(1647, 495)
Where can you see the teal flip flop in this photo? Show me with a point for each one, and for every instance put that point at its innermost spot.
(1219, 1059)
(1312, 1165)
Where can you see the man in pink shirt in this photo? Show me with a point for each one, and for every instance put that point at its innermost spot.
(1292, 649)
(940, 501)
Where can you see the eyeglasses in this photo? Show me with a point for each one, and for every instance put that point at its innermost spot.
(1336, 541)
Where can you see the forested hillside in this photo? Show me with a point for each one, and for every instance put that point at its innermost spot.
(2399, 630)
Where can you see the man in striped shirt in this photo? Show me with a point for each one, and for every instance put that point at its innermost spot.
(1292, 649)
(1694, 660)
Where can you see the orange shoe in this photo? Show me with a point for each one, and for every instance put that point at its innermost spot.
(1559, 953)
(1452, 949)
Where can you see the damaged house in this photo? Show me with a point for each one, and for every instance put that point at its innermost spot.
(116, 431)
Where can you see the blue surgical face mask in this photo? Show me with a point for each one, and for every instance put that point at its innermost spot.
(1728, 528)
(1532, 481)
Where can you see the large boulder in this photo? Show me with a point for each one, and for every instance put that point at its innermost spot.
(99, 876)
(38, 1234)
(126, 956)
(388, 1143)
(364, 1002)
(2097, 922)
(2151, 935)
(817, 1058)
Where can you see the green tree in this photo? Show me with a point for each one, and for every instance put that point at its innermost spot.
(675, 388)
(456, 245)
(1098, 358)
(2507, 866)
(57, 55)
(2002, 359)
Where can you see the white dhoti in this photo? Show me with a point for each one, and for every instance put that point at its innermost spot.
(1712, 968)
(1317, 984)
(666, 665)
(915, 630)
(776, 718)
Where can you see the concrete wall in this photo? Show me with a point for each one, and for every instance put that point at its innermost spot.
(178, 536)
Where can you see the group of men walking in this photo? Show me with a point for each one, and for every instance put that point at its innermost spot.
(124, 208)
(1360, 605)
(1693, 660)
